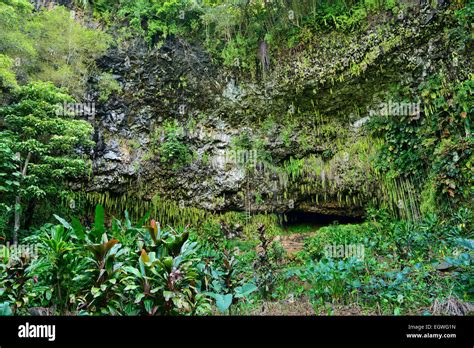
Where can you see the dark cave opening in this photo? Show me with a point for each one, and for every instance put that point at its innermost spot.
(294, 218)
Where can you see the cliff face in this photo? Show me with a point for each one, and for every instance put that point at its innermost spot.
(186, 130)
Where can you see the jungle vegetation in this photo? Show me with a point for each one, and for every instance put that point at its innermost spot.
(93, 253)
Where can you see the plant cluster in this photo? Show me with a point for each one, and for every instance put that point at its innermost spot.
(172, 148)
(41, 149)
(115, 268)
(48, 45)
(402, 261)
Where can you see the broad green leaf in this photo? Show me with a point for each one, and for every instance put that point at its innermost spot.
(167, 295)
(223, 302)
(63, 222)
(466, 243)
(5, 309)
(139, 297)
(132, 270)
(245, 290)
(78, 228)
(141, 222)
(128, 224)
(99, 220)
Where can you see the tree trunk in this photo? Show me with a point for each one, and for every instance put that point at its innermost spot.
(262, 55)
(29, 214)
(16, 226)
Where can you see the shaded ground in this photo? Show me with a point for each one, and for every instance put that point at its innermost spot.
(293, 243)
(303, 307)
(297, 307)
(294, 235)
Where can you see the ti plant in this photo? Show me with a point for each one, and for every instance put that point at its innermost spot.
(167, 274)
(103, 268)
(58, 265)
(13, 278)
(106, 273)
(263, 266)
(223, 281)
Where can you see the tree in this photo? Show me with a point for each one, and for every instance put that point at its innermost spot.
(49, 146)
(7, 76)
(50, 44)
(9, 182)
(66, 50)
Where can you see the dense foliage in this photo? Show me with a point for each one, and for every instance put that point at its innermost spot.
(41, 148)
(48, 45)
(146, 269)
(63, 254)
(121, 270)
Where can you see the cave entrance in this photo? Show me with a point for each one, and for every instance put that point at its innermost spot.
(299, 225)
(314, 220)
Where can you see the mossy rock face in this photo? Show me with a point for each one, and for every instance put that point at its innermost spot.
(303, 148)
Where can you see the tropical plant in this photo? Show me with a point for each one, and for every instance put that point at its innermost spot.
(46, 147)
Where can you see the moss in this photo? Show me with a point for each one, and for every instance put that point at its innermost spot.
(149, 155)
(107, 86)
(134, 144)
(428, 199)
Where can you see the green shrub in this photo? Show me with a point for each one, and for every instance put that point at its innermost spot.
(335, 235)
(107, 85)
(45, 144)
(173, 150)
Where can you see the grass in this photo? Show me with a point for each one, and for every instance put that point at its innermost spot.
(304, 228)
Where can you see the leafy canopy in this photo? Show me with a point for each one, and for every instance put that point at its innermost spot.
(31, 127)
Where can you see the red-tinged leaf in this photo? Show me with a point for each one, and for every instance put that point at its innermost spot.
(144, 256)
(151, 231)
(154, 230)
(155, 227)
(109, 245)
(100, 250)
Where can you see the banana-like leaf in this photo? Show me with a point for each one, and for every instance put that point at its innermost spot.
(63, 222)
(101, 250)
(78, 228)
(99, 222)
(144, 256)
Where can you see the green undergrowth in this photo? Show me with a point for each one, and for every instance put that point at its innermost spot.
(396, 273)
(115, 267)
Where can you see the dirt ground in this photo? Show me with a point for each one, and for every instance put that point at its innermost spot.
(293, 243)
